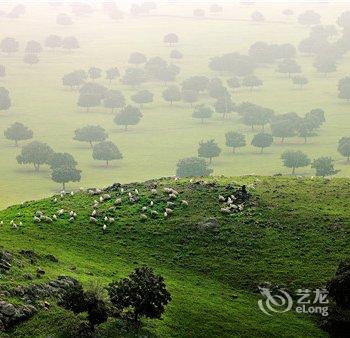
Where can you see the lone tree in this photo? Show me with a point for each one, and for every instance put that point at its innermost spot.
(257, 16)
(112, 74)
(35, 153)
(324, 166)
(202, 112)
(172, 94)
(251, 81)
(300, 81)
(289, 66)
(137, 58)
(189, 96)
(224, 105)
(208, 149)
(143, 292)
(129, 115)
(94, 89)
(106, 151)
(64, 175)
(33, 47)
(9, 46)
(235, 140)
(90, 134)
(283, 128)
(344, 147)
(53, 41)
(18, 132)
(88, 101)
(134, 77)
(142, 97)
(262, 141)
(295, 159)
(64, 20)
(5, 100)
(344, 88)
(192, 167)
(31, 59)
(74, 79)
(70, 43)
(94, 73)
(234, 82)
(114, 100)
(171, 39)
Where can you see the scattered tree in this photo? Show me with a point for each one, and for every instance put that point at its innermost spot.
(94, 73)
(90, 134)
(325, 65)
(295, 159)
(31, 59)
(235, 140)
(196, 83)
(2, 71)
(9, 46)
(324, 166)
(74, 79)
(112, 74)
(289, 66)
(234, 82)
(5, 100)
(208, 149)
(172, 94)
(114, 99)
(53, 41)
(192, 167)
(70, 43)
(309, 18)
(171, 39)
(190, 96)
(33, 47)
(18, 132)
(251, 81)
(202, 112)
(257, 17)
(129, 115)
(300, 81)
(88, 101)
(134, 77)
(344, 147)
(142, 97)
(106, 151)
(137, 58)
(175, 54)
(35, 153)
(64, 175)
(344, 88)
(224, 105)
(262, 140)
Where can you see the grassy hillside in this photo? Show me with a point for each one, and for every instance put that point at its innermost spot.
(165, 134)
(293, 232)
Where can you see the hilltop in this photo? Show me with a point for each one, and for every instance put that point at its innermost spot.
(291, 232)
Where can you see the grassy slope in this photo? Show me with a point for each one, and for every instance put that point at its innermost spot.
(165, 133)
(294, 234)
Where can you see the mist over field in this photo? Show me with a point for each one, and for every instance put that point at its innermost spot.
(207, 140)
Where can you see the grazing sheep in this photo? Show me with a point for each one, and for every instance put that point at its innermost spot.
(111, 220)
(225, 210)
(184, 202)
(130, 194)
(153, 191)
(96, 205)
(93, 220)
(172, 197)
(1, 222)
(72, 193)
(94, 213)
(168, 211)
(14, 226)
(143, 217)
(20, 224)
(122, 190)
(62, 195)
(229, 201)
(118, 201)
(144, 208)
(170, 204)
(233, 206)
(165, 214)
(36, 219)
(71, 214)
(240, 207)
(106, 197)
(222, 198)
(72, 219)
(101, 199)
(106, 219)
(60, 212)
(12, 222)
(136, 191)
(151, 204)
(168, 190)
(38, 213)
(154, 213)
(54, 217)
(55, 200)
(104, 228)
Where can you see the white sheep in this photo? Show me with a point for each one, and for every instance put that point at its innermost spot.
(106, 219)
(36, 219)
(122, 190)
(118, 201)
(20, 224)
(101, 199)
(71, 214)
(1, 222)
(184, 202)
(93, 220)
(153, 191)
(154, 213)
(136, 191)
(54, 217)
(144, 208)
(222, 198)
(72, 219)
(225, 210)
(151, 204)
(143, 217)
(72, 193)
(61, 212)
(165, 214)
(55, 200)
(172, 196)
(94, 213)
(106, 197)
(104, 228)
(170, 204)
(111, 220)
(168, 211)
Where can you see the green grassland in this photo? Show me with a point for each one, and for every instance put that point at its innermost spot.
(286, 235)
(165, 134)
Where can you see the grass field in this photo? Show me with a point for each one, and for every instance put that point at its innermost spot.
(279, 238)
(165, 134)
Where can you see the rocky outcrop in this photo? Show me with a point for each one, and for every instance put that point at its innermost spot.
(11, 315)
(5, 261)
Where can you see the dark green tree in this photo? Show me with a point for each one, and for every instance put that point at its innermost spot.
(31, 59)
(142, 97)
(295, 159)
(224, 105)
(202, 112)
(235, 140)
(90, 134)
(251, 81)
(192, 167)
(189, 96)
(94, 73)
(196, 83)
(18, 132)
(134, 77)
(324, 166)
(289, 66)
(262, 141)
(64, 175)
(208, 149)
(344, 88)
(88, 101)
(53, 41)
(5, 100)
(172, 94)
(114, 100)
(70, 43)
(171, 39)
(344, 147)
(234, 82)
(128, 116)
(9, 45)
(137, 58)
(300, 81)
(35, 153)
(112, 74)
(106, 151)
(143, 292)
